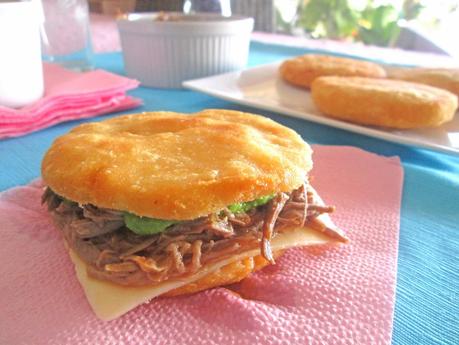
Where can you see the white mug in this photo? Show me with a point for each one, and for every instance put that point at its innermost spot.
(21, 68)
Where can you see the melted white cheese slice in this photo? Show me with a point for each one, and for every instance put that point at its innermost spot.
(110, 301)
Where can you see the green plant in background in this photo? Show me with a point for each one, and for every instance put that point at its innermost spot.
(328, 18)
(340, 19)
(379, 25)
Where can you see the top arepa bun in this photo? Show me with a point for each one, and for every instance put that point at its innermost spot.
(175, 166)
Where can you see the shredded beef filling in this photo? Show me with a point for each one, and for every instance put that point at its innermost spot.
(115, 253)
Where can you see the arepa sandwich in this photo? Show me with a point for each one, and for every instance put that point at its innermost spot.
(164, 204)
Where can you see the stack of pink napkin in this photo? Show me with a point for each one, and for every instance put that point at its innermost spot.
(68, 96)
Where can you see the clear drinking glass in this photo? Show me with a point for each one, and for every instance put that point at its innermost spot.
(66, 38)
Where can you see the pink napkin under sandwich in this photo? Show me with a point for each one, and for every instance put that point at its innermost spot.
(68, 96)
(316, 295)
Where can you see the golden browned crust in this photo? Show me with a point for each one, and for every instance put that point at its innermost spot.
(229, 274)
(383, 102)
(175, 166)
(302, 70)
(443, 78)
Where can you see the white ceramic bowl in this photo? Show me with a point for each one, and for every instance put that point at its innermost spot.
(164, 53)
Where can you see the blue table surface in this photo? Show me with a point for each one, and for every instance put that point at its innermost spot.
(427, 300)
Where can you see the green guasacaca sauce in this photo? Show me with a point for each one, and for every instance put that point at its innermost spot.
(150, 226)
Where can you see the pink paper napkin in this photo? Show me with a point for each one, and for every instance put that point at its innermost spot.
(68, 96)
(338, 295)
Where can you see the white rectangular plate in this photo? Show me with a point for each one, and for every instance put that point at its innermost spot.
(261, 87)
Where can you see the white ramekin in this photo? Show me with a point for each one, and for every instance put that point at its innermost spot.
(164, 53)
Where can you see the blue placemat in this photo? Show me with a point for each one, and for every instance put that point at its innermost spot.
(427, 306)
